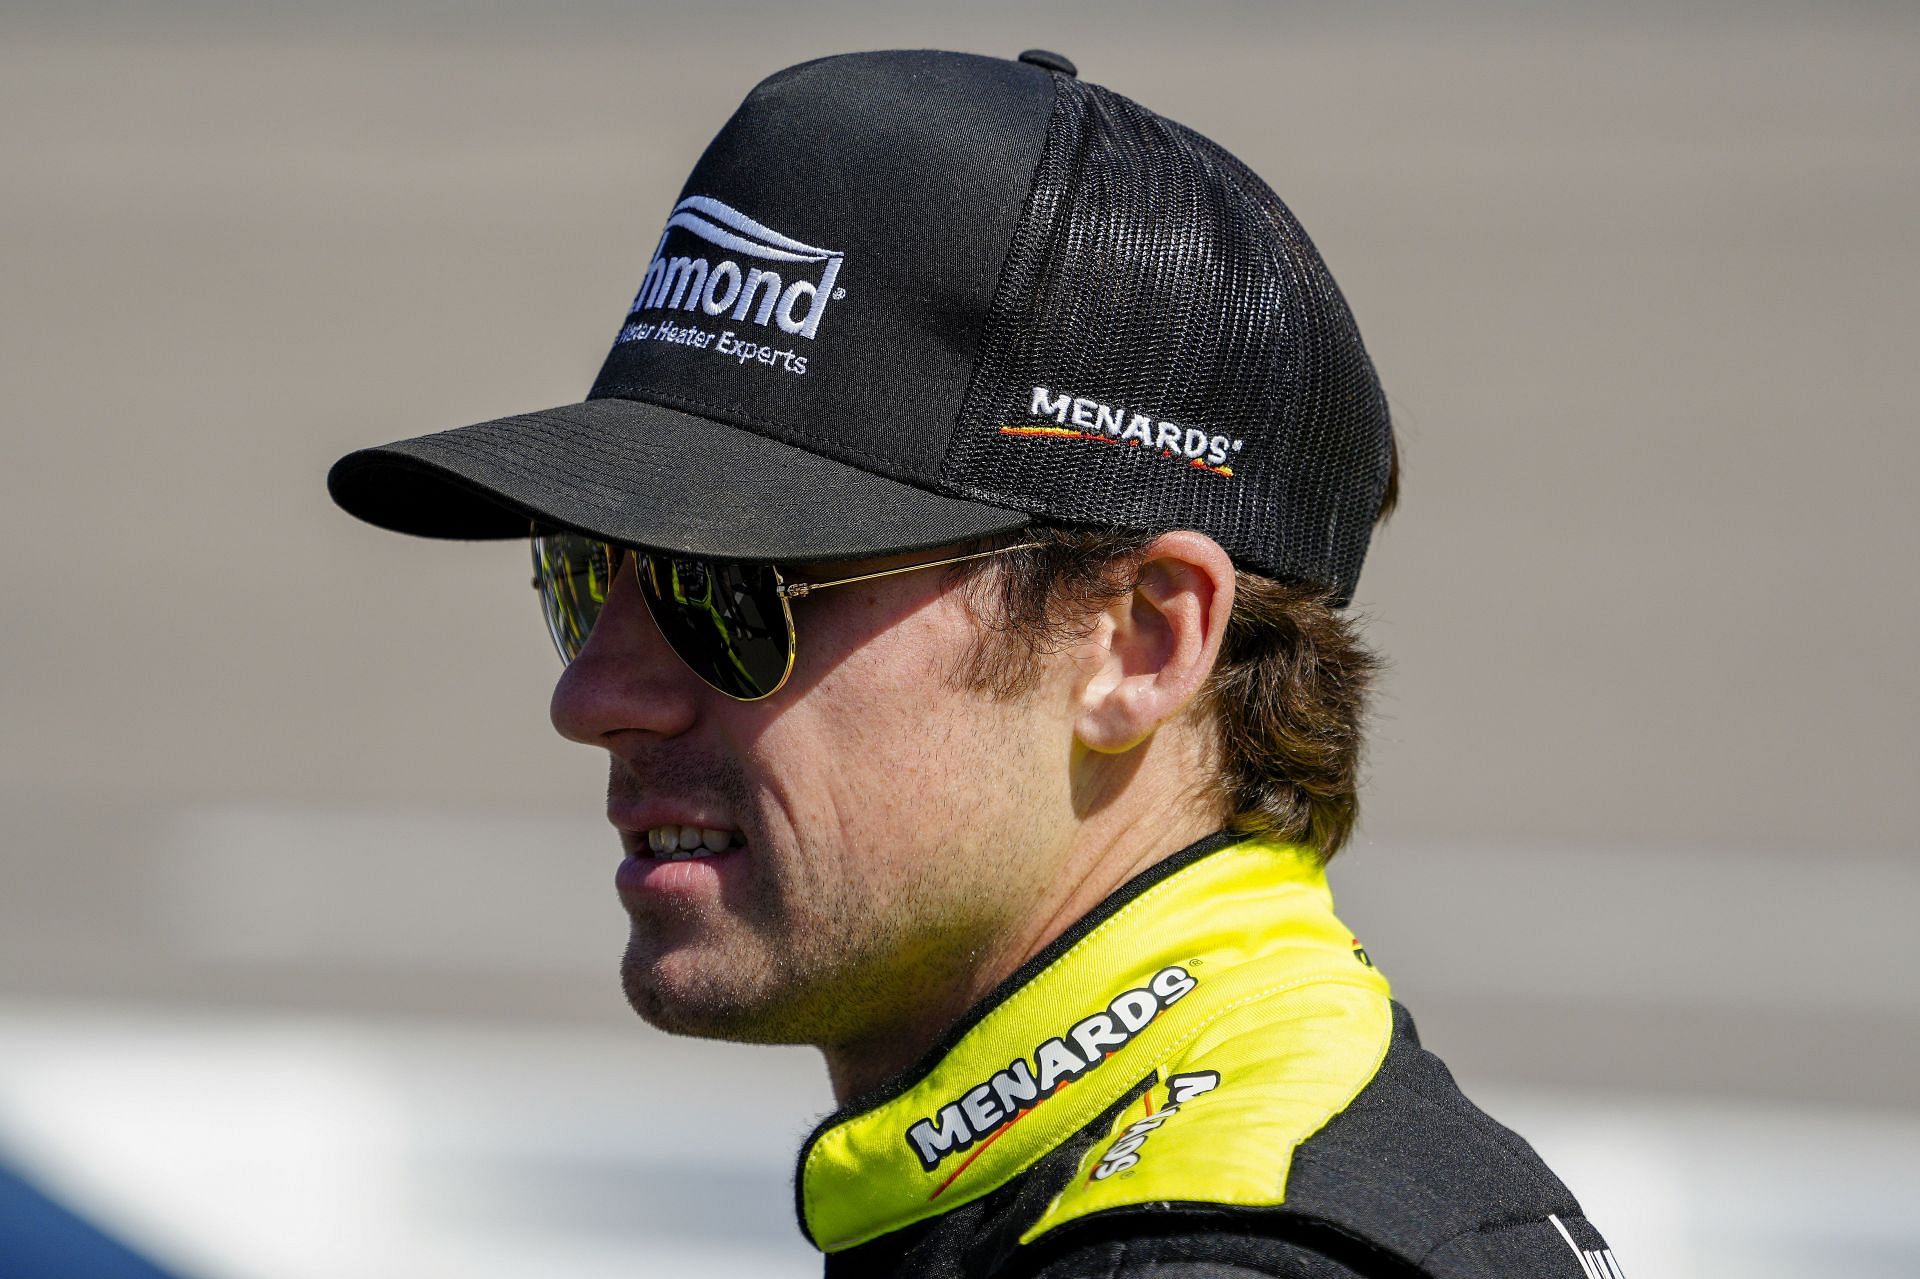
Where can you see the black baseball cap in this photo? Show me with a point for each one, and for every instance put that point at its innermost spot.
(911, 298)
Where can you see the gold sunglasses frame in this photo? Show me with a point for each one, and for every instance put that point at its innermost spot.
(784, 589)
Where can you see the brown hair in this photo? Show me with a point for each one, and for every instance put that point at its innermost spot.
(1287, 695)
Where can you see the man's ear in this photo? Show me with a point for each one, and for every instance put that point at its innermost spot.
(1153, 648)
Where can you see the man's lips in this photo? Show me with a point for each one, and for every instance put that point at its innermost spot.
(643, 876)
(681, 865)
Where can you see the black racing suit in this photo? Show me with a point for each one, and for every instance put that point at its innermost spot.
(1204, 1078)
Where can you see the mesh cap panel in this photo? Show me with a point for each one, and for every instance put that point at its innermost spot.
(1167, 350)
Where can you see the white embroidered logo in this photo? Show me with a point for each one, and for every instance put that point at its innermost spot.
(1595, 1263)
(979, 1113)
(1079, 417)
(1124, 1152)
(780, 294)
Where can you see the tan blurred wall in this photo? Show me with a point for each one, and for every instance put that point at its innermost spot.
(1641, 284)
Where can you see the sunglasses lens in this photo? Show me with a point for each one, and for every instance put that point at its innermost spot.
(725, 619)
(573, 575)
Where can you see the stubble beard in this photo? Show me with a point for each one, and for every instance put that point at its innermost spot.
(826, 946)
(801, 958)
(729, 971)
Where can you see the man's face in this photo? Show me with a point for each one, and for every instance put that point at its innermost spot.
(891, 832)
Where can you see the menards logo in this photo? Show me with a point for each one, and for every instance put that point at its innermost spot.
(982, 1112)
(1077, 417)
(1124, 1152)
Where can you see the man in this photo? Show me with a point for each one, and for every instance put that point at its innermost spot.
(949, 557)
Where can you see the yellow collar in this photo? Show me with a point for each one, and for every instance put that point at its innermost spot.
(1132, 990)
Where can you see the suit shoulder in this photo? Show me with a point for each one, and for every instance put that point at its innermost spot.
(1221, 1118)
(1325, 1118)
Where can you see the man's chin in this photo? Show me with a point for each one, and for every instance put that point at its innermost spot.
(674, 994)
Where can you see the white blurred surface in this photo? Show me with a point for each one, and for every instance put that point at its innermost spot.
(236, 1146)
(309, 1148)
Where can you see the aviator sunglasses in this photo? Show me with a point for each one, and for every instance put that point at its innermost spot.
(728, 620)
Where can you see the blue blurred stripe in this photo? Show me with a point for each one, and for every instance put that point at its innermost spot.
(42, 1239)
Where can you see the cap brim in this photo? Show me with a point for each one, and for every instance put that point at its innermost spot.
(647, 475)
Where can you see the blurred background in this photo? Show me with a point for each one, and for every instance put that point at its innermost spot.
(307, 934)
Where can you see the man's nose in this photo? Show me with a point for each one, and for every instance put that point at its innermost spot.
(625, 679)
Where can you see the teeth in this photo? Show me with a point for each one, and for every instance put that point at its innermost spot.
(682, 843)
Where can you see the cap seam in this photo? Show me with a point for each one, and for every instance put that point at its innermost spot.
(1004, 280)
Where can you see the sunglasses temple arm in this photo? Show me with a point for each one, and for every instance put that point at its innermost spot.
(794, 590)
